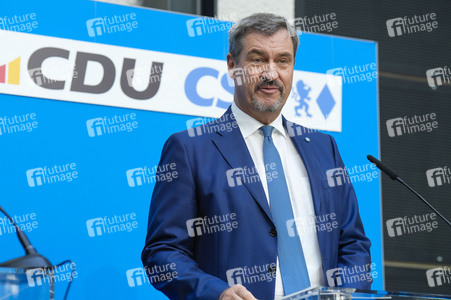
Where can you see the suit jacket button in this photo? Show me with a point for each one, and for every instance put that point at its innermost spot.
(273, 232)
(272, 269)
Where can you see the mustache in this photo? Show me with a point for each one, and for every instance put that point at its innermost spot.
(270, 83)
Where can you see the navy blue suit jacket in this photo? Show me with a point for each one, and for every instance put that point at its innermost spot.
(206, 260)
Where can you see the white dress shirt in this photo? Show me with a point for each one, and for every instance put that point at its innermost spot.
(298, 186)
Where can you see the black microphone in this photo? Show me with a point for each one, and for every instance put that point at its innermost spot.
(395, 176)
(31, 259)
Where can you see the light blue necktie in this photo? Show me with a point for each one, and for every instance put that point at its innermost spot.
(291, 257)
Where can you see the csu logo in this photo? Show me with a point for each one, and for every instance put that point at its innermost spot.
(105, 79)
(192, 87)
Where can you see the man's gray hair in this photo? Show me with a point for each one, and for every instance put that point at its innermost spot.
(264, 23)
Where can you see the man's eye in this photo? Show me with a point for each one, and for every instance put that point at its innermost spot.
(257, 60)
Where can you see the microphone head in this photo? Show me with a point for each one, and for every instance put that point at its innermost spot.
(383, 167)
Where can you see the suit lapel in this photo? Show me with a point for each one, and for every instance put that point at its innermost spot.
(234, 150)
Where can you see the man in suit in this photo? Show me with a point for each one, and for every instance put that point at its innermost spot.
(252, 214)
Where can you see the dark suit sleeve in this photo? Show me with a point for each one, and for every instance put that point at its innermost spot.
(168, 242)
(354, 246)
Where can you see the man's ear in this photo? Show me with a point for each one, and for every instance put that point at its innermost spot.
(231, 65)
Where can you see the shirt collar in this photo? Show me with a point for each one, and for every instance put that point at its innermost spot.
(249, 125)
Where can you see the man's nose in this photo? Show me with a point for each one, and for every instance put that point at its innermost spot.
(270, 72)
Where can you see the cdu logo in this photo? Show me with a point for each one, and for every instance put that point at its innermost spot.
(335, 277)
(10, 73)
(395, 227)
(35, 177)
(195, 226)
(95, 27)
(395, 127)
(235, 276)
(95, 227)
(336, 177)
(136, 277)
(135, 177)
(94, 127)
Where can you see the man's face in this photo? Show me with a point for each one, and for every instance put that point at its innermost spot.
(263, 74)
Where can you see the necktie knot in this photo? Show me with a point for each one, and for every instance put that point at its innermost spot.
(267, 130)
